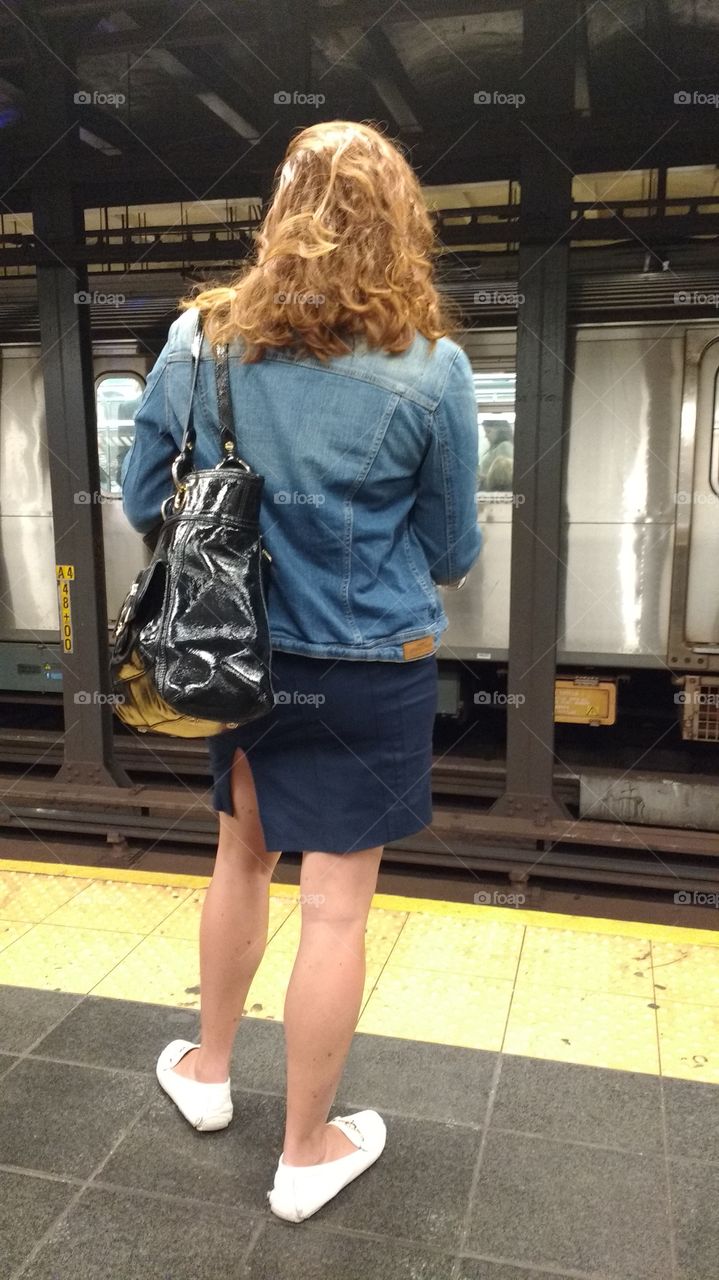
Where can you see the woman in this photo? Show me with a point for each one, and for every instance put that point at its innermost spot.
(360, 413)
(497, 464)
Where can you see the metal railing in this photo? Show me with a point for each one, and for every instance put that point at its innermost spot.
(490, 228)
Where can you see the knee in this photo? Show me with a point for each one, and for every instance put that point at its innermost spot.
(332, 911)
(238, 857)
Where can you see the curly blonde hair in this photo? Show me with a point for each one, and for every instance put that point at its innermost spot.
(345, 248)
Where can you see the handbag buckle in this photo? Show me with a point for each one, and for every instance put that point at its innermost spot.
(179, 471)
(233, 459)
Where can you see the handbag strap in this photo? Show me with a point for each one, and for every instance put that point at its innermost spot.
(188, 433)
(222, 378)
(224, 402)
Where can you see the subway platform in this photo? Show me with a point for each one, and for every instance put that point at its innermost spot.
(550, 1085)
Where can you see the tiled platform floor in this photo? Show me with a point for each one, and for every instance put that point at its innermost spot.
(497, 1167)
(636, 997)
(549, 1085)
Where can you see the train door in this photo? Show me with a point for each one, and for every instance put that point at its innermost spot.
(478, 615)
(119, 384)
(29, 622)
(28, 590)
(698, 501)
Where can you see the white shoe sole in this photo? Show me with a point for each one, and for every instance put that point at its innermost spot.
(207, 1107)
(300, 1190)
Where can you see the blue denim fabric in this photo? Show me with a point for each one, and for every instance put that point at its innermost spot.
(370, 465)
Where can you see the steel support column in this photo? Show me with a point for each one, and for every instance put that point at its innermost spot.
(545, 214)
(72, 442)
(289, 59)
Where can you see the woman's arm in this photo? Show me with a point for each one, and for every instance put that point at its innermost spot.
(146, 477)
(444, 516)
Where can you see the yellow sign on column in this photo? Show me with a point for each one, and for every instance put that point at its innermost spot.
(65, 574)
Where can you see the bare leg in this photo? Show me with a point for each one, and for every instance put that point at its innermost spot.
(233, 929)
(324, 997)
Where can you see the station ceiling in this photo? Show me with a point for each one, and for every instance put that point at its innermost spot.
(195, 99)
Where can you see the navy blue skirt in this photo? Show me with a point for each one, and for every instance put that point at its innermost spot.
(343, 761)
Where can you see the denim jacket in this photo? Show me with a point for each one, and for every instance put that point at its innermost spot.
(370, 465)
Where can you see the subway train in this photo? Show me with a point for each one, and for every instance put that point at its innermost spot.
(640, 494)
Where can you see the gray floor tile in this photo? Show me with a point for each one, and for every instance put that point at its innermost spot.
(258, 1057)
(27, 1207)
(63, 1119)
(692, 1111)
(429, 1081)
(286, 1252)
(234, 1166)
(479, 1269)
(26, 1013)
(129, 1035)
(117, 1236)
(552, 1204)
(695, 1195)
(542, 1202)
(422, 1179)
(418, 1189)
(118, 1033)
(583, 1104)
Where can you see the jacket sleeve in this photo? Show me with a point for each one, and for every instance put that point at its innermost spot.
(146, 477)
(444, 516)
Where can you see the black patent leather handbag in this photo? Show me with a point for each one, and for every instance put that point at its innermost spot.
(191, 650)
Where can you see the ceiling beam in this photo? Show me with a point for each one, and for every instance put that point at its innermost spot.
(335, 16)
(108, 125)
(390, 69)
(223, 171)
(238, 96)
(659, 39)
(585, 87)
(189, 32)
(199, 75)
(83, 8)
(184, 74)
(371, 56)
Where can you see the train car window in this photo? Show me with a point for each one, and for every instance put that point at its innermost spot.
(714, 459)
(495, 392)
(117, 396)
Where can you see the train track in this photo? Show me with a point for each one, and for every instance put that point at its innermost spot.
(168, 808)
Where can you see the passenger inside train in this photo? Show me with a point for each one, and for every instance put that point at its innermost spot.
(496, 463)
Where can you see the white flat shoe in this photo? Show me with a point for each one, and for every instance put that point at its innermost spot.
(300, 1190)
(206, 1106)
